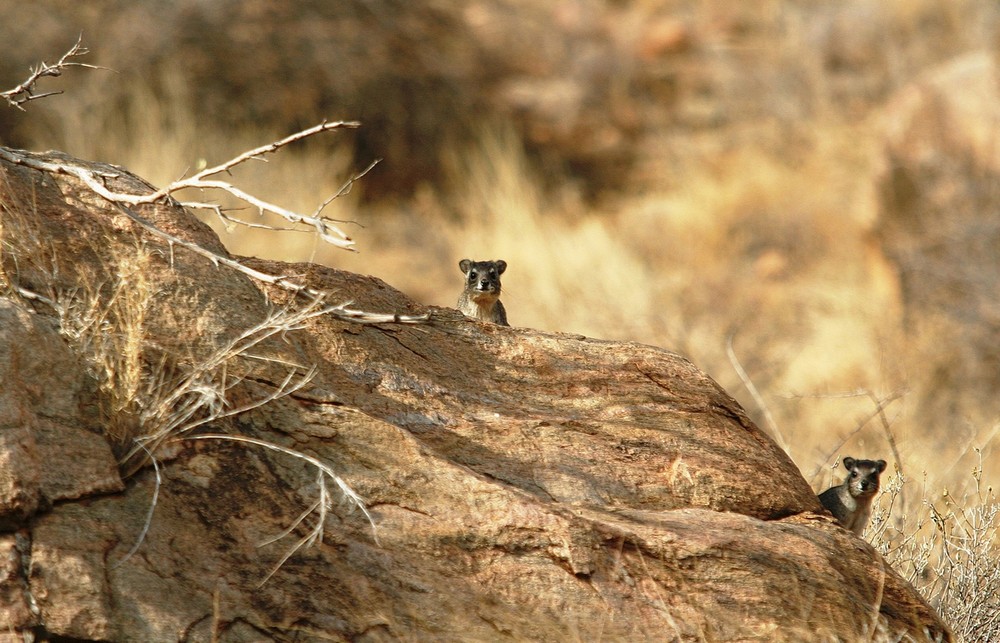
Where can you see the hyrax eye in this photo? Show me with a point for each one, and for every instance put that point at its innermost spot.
(472, 275)
(854, 474)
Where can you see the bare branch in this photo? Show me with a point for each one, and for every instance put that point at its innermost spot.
(230, 222)
(95, 181)
(329, 233)
(346, 187)
(256, 153)
(25, 92)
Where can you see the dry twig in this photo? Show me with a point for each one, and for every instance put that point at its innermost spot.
(752, 389)
(329, 233)
(96, 182)
(320, 507)
(18, 96)
(200, 396)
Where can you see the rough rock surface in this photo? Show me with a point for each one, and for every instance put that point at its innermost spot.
(522, 485)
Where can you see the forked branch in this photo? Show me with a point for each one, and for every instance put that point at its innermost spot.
(18, 96)
(97, 182)
(329, 233)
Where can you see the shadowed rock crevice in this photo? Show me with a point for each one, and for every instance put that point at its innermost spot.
(522, 485)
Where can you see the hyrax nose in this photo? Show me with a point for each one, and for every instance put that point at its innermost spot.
(484, 284)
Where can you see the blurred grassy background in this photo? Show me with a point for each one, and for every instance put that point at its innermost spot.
(814, 181)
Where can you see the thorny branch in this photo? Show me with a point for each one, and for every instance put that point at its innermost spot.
(17, 96)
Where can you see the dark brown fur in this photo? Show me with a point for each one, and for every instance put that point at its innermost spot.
(851, 502)
(481, 297)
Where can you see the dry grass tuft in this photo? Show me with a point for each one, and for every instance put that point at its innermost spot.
(106, 324)
(946, 546)
(150, 397)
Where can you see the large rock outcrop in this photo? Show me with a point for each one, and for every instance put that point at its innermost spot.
(521, 485)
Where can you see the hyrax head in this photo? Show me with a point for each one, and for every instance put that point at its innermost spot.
(862, 476)
(483, 276)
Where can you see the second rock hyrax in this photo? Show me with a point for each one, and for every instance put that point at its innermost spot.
(851, 502)
(481, 297)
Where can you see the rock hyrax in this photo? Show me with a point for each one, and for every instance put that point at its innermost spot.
(851, 502)
(481, 297)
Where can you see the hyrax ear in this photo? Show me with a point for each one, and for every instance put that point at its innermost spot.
(881, 465)
(501, 266)
(848, 463)
(465, 264)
